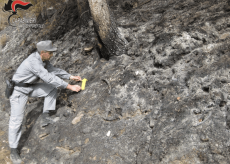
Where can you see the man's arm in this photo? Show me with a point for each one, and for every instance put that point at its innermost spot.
(57, 71)
(37, 69)
(50, 78)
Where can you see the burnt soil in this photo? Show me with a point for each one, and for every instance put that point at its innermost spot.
(165, 101)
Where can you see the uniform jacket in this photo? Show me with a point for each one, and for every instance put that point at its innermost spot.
(33, 68)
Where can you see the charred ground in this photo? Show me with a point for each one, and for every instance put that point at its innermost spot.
(164, 101)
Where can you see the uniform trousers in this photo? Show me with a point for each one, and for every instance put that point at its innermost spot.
(18, 101)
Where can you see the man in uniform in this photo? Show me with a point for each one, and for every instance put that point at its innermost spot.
(33, 68)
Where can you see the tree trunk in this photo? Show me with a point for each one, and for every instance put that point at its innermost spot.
(110, 41)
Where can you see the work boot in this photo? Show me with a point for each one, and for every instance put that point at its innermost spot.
(14, 156)
(46, 120)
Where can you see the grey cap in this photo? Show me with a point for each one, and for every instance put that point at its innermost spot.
(46, 45)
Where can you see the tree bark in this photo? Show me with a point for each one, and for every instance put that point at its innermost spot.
(110, 40)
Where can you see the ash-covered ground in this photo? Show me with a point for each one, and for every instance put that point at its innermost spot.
(165, 101)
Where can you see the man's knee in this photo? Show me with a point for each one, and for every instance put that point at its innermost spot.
(42, 90)
(54, 91)
(15, 122)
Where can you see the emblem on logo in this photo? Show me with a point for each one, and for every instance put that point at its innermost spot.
(13, 6)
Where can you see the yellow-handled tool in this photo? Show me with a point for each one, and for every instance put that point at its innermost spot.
(83, 84)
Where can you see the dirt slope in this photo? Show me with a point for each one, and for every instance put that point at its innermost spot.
(163, 102)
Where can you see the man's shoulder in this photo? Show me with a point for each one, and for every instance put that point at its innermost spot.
(33, 57)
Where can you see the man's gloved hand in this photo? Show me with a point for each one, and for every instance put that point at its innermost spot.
(75, 88)
(76, 78)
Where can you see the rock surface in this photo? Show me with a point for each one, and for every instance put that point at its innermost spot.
(166, 101)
